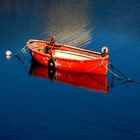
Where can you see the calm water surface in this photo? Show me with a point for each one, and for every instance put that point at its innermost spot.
(33, 107)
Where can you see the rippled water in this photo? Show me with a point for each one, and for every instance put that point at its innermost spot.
(34, 107)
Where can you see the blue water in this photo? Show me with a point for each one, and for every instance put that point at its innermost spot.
(32, 107)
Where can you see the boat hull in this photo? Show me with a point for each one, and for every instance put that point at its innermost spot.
(97, 65)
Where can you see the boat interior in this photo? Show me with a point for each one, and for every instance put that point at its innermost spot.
(72, 55)
(64, 51)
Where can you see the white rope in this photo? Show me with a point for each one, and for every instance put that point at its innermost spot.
(23, 50)
(103, 64)
(124, 77)
(113, 73)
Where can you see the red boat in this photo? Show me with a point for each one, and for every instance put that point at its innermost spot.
(64, 57)
(95, 82)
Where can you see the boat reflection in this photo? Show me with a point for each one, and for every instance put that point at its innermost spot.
(98, 83)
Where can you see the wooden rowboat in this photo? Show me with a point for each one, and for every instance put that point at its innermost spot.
(94, 82)
(69, 58)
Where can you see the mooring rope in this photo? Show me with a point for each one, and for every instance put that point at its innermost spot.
(113, 73)
(22, 50)
(116, 74)
(124, 76)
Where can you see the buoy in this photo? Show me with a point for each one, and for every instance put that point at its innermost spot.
(104, 49)
(8, 53)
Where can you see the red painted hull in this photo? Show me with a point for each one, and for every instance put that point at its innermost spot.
(93, 82)
(80, 60)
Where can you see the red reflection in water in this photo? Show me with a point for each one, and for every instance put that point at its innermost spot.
(94, 82)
